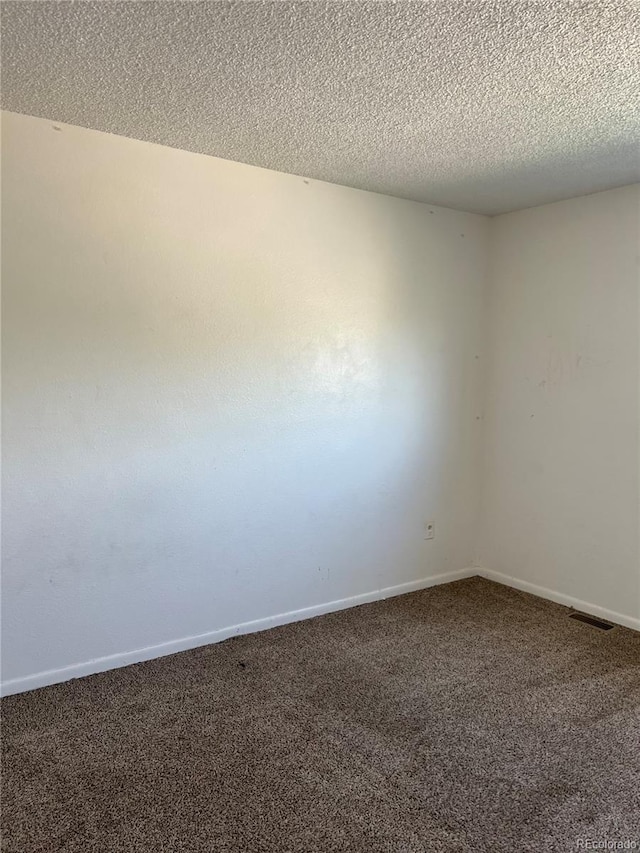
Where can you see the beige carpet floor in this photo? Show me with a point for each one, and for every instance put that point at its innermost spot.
(468, 718)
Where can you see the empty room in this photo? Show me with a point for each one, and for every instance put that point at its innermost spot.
(320, 426)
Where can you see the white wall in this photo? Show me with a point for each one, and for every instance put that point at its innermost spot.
(561, 500)
(228, 394)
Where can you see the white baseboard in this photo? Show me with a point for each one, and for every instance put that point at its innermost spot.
(561, 598)
(78, 670)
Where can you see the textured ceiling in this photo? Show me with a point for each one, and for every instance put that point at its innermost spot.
(484, 106)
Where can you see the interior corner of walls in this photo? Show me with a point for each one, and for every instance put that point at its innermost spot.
(560, 401)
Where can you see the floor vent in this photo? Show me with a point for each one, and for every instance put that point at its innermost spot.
(591, 620)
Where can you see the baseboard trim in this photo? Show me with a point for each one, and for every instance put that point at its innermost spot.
(91, 667)
(561, 598)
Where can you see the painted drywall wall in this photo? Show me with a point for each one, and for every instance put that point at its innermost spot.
(560, 505)
(228, 394)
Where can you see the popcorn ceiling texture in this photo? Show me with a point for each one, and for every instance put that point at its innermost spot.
(483, 106)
